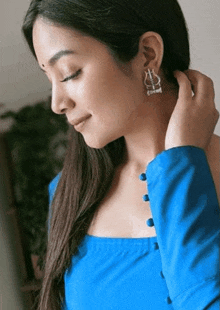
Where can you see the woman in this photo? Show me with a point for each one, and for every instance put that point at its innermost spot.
(117, 68)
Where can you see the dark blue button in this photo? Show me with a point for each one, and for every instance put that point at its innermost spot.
(156, 246)
(146, 198)
(143, 177)
(168, 300)
(150, 222)
(161, 274)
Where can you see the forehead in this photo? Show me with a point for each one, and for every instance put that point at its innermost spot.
(49, 39)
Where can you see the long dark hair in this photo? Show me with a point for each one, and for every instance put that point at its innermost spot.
(87, 173)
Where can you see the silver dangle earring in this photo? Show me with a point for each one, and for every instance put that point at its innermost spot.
(154, 87)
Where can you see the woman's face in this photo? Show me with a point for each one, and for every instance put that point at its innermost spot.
(109, 94)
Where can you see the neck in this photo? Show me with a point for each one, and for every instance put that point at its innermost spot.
(145, 139)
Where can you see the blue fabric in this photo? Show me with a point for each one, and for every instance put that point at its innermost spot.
(51, 191)
(178, 269)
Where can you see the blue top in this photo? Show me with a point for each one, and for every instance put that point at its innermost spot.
(179, 268)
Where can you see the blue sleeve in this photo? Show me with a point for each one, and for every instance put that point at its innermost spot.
(185, 211)
(51, 190)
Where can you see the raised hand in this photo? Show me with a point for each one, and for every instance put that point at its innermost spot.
(194, 118)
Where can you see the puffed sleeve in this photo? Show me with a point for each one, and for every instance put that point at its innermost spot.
(186, 214)
(51, 190)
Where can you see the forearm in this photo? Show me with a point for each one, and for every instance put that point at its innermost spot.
(186, 215)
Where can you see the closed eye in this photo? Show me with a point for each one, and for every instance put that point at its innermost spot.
(71, 76)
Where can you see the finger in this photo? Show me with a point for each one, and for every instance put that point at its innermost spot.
(185, 90)
(203, 86)
(193, 80)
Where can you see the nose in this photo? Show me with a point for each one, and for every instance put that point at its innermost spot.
(60, 101)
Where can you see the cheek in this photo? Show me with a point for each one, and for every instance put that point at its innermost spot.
(108, 95)
(99, 88)
(104, 84)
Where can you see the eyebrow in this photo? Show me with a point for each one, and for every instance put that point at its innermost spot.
(58, 55)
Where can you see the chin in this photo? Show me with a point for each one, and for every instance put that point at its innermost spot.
(97, 143)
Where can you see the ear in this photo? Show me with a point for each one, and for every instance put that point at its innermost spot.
(151, 50)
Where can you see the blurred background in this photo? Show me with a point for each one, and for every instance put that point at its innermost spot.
(31, 133)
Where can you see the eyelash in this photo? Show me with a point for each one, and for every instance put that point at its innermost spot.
(71, 76)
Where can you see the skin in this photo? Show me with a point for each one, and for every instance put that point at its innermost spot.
(114, 95)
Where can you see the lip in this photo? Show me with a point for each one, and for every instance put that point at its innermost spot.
(80, 124)
(78, 120)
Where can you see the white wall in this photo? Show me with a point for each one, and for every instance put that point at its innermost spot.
(22, 82)
(203, 19)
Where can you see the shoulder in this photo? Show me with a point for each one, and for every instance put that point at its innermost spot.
(53, 184)
(55, 180)
(213, 156)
